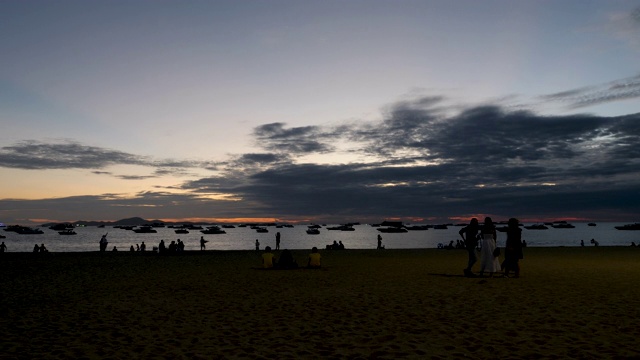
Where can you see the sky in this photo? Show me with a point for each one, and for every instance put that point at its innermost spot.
(319, 111)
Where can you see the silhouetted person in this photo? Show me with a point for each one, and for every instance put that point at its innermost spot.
(162, 247)
(314, 259)
(42, 248)
(36, 248)
(278, 240)
(286, 261)
(268, 259)
(132, 249)
(202, 243)
(3, 247)
(513, 248)
(103, 243)
(379, 242)
(469, 236)
(489, 261)
(143, 247)
(582, 243)
(115, 249)
(258, 245)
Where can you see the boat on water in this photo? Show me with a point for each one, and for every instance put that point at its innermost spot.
(417, 227)
(635, 226)
(23, 230)
(536, 227)
(67, 232)
(313, 230)
(145, 230)
(181, 231)
(563, 226)
(125, 227)
(213, 230)
(342, 228)
(261, 229)
(392, 230)
(591, 224)
(61, 227)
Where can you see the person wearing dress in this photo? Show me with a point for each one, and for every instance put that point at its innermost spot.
(489, 262)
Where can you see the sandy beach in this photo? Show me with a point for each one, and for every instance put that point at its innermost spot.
(363, 304)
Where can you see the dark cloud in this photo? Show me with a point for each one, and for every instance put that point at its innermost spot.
(69, 155)
(299, 140)
(482, 159)
(421, 160)
(624, 89)
(35, 155)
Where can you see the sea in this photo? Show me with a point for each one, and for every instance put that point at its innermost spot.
(363, 237)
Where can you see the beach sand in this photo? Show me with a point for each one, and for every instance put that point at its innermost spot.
(364, 304)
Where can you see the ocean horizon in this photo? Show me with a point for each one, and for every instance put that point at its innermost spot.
(363, 237)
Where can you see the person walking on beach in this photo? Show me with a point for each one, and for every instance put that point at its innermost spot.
(202, 243)
(469, 236)
(278, 240)
(513, 248)
(379, 242)
(488, 260)
(258, 245)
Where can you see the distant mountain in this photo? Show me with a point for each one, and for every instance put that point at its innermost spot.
(134, 221)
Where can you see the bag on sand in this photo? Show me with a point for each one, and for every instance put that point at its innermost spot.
(496, 252)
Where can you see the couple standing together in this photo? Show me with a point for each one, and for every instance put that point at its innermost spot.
(490, 253)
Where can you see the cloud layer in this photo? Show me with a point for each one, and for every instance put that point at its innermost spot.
(423, 160)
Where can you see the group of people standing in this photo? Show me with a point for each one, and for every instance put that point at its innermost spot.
(490, 252)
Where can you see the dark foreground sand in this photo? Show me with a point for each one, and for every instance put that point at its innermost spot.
(366, 304)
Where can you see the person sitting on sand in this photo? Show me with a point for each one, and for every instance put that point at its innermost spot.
(115, 249)
(36, 248)
(340, 245)
(268, 259)
(3, 247)
(143, 247)
(286, 260)
(161, 247)
(633, 244)
(314, 259)
(42, 248)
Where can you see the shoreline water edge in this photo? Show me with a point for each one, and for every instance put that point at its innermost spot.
(86, 239)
